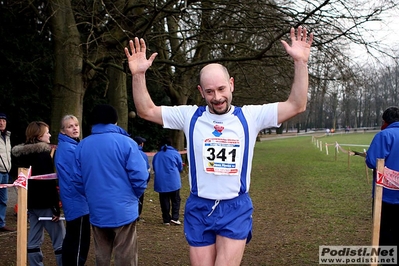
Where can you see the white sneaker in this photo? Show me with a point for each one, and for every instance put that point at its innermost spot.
(175, 222)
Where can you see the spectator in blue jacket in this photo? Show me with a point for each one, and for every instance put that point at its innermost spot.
(167, 164)
(140, 141)
(76, 244)
(112, 175)
(385, 145)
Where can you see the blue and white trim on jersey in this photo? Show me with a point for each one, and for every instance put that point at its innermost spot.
(234, 131)
(193, 171)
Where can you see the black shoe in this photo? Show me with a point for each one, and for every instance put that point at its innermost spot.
(7, 229)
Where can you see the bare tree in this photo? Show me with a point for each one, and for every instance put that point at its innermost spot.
(89, 37)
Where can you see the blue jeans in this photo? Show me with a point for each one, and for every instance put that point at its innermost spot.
(56, 231)
(3, 199)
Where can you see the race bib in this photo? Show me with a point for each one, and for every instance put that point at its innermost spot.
(222, 156)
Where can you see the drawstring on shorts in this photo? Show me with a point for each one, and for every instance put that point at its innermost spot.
(214, 207)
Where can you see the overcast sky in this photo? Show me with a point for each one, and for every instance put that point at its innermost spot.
(386, 32)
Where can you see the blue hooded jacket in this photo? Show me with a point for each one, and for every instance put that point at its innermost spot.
(145, 157)
(73, 203)
(167, 166)
(385, 145)
(112, 174)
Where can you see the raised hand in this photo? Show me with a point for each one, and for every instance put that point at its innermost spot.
(137, 59)
(300, 44)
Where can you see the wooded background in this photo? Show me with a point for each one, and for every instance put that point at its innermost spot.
(65, 56)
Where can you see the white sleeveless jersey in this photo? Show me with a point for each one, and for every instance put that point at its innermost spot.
(220, 147)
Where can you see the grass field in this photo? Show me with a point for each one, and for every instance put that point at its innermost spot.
(302, 199)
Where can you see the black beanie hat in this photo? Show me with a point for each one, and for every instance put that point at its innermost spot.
(139, 140)
(104, 114)
(3, 116)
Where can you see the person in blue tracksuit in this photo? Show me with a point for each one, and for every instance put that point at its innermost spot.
(385, 145)
(112, 175)
(140, 141)
(76, 244)
(167, 164)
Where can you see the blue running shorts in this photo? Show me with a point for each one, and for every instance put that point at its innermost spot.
(204, 219)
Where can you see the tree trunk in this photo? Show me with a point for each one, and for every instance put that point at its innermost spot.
(117, 95)
(68, 90)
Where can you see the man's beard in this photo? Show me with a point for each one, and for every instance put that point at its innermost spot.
(226, 110)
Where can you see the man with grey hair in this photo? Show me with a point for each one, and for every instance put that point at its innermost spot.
(5, 166)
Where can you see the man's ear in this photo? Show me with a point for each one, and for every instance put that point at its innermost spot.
(200, 90)
(231, 81)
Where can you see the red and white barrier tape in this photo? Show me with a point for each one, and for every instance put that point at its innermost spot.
(389, 179)
(21, 180)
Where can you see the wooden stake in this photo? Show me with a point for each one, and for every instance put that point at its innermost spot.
(22, 224)
(367, 169)
(336, 152)
(349, 159)
(377, 209)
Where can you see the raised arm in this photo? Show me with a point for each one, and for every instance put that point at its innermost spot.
(299, 51)
(138, 65)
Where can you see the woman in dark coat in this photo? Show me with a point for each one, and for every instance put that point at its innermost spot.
(43, 198)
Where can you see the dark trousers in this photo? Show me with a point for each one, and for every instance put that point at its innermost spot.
(389, 225)
(76, 242)
(141, 200)
(122, 241)
(168, 199)
(389, 230)
(141, 203)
